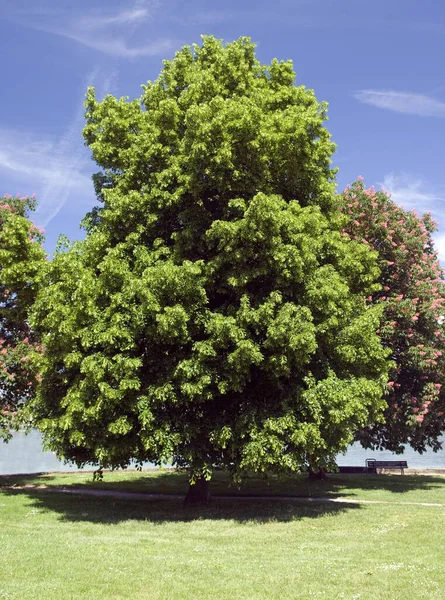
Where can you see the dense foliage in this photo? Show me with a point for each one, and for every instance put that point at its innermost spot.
(214, 315)
(21, 260)
(412, 295)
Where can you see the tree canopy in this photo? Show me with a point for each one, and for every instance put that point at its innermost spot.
(21, 261)
(215, 314)
(412, 296)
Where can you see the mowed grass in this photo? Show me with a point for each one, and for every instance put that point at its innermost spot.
(73, 546)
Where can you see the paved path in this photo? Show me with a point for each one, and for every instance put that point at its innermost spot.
(85, 491)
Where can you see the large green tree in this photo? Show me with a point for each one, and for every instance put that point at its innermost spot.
(22, 259)
(412, 296)
(214, 316)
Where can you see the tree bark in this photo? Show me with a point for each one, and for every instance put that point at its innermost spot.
(320, 474)
(199, 492)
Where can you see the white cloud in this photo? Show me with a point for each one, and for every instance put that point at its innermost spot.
(108, 32)
(42, 166)
(413, 193)
(115, 46)
(403, 102)
(58, 170)
(129, 16)
(439, 242)
(67, 165)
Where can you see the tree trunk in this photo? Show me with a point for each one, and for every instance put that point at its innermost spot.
(199, 492)
(320, 474)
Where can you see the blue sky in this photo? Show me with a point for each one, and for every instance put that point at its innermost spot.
(379, 65)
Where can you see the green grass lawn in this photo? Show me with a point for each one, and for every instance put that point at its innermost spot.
(67, 547)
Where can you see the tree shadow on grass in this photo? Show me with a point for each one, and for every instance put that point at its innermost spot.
(108, 510)
(394, 483)
(163, 481)
(27, 479)
(337, 485)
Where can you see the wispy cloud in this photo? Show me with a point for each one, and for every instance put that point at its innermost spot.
(68, 161)
(129, 16)
(115, 46)
(32, 165)
(403, 102)
(108, 31)
(439, 242)
(56, 169)
(414, 194)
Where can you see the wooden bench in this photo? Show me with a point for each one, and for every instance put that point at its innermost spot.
(353, 469)
(373, 464)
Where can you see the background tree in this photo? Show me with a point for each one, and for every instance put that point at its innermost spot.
(214, 315)
(412, 295)
(21, 260)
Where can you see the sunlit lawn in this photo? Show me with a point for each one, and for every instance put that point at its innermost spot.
(67, 547)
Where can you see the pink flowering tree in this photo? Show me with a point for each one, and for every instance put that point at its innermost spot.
(21, 261)
(413, 296)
